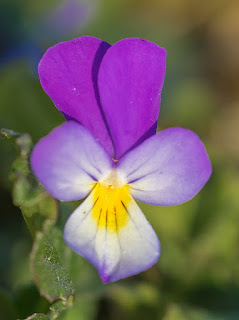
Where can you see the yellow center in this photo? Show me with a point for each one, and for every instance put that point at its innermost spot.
(111, 200)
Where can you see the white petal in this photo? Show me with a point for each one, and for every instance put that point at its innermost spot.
(110, 230)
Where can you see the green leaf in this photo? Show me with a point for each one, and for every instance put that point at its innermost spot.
(51, 278)
(40, 211)
(36, 204)
(55, 310)
(59, 306)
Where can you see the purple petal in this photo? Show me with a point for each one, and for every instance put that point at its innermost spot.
(69, 161)
(68, 74)
(130, 81)
(117, 251)
(167, 169)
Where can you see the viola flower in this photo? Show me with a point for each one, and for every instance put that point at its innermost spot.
(109, 152)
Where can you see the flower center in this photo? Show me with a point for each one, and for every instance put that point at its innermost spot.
(111, 200)
(113, 179)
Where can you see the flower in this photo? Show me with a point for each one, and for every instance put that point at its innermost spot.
(109, 152)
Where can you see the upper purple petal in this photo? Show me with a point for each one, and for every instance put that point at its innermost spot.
(130, 81)
(167, 169)
(68, 74)
(69, 161)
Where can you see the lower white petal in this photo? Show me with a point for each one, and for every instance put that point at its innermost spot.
(110, 230)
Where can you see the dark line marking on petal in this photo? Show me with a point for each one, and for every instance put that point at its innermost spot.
(145, 175)
(140, 166)
(136, 226)
(90, 210)
(95, 203)
(131, 218)
(84, 218)
(90, 175)
(135, 180)
(120, 248)
(116, 224)
(117, 232)
(94, 238)
(139, 229)
(143, 190)
(124, 206)
(86, 172)
(99, 219)
(106, 219)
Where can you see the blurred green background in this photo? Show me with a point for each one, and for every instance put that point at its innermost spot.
(197, 275)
